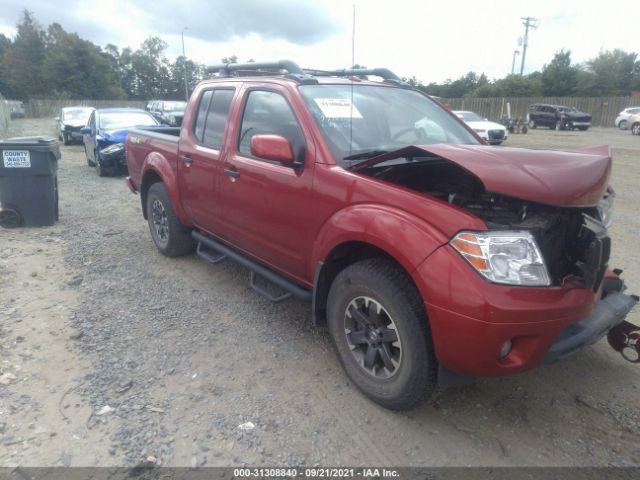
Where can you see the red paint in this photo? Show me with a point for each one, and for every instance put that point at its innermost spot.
(290, 217)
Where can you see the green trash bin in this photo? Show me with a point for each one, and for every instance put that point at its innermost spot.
(29, 181)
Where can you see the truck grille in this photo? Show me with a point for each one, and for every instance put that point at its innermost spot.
(496, 134)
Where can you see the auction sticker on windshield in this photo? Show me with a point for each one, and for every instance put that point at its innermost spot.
(16, 158)
(337, 108)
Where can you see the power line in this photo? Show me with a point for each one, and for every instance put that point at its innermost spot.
(528, 22)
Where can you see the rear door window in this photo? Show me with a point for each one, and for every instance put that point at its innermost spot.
(201, 119)
(217, 118)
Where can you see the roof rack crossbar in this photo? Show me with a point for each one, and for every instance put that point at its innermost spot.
(385, 73)
(226, 69)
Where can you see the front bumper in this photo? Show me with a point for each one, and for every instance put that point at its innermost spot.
(471, 318)
(609, 312)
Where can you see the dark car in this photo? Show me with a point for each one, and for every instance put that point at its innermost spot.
(558, 117)
(105, 133)
(69, 122)
(169, 112)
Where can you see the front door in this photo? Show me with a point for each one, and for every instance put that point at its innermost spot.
(266, 204)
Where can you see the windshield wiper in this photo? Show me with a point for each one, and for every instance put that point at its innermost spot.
(363, 155)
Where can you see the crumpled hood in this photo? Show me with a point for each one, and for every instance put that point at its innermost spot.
(74, 123)
(115, 136)
(562, 178)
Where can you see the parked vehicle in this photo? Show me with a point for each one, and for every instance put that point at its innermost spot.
(622, 120)
(492, 132)
(104, 135)
(16, 108)
(634, 122)
(427, 253)
(69, 122)
(168, 112)
(558, 117)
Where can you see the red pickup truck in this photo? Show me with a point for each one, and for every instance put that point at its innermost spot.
(427, 253)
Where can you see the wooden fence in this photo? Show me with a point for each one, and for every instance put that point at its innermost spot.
(603, 110)
(51, 108)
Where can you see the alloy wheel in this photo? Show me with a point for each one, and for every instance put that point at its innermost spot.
(372, 337)
(160, 221)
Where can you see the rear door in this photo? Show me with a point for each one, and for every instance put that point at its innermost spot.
(266, 204)
(200, 151)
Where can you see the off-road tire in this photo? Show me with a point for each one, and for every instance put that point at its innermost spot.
(415, 378)
(177, 240)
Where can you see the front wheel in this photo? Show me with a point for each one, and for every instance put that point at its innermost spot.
(169, 234)
(622, 125)
(66, 138)
(635, 128)
(532, 124)
(381, 333)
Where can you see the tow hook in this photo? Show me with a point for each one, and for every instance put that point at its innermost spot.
(625, 338)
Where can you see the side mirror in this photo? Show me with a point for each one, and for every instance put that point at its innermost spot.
(272, 147)
(85, 130)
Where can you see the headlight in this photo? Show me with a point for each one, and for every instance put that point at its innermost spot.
(511, 258)
(116, 147)
(605, 208)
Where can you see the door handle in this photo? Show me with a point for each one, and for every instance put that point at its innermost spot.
(187, 160)
(232, 173)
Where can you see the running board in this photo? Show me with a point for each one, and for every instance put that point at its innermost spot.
(256, 269)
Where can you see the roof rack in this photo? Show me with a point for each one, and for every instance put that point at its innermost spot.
(263, 68)
(298, 74)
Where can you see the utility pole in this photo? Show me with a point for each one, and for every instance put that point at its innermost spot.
(528, 22)
(353, 38)
(184, 68)
(513, 63)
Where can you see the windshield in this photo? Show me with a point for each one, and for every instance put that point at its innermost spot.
(470, 116)
(118, 120)
(174, 106)
(362, 121)
(80, 114)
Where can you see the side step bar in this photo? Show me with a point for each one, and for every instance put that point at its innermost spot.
(256, 269)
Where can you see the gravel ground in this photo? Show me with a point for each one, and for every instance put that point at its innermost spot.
(112, 354)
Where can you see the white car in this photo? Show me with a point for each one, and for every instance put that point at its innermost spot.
(492, 132)
(622, 120)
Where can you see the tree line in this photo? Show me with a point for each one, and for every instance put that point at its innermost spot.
(54, 63)
(611, 73)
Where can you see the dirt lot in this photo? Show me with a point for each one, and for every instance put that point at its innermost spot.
(111, 354)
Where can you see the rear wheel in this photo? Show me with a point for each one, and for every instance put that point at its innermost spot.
(381, 333)
(635, 128)
(169, 234)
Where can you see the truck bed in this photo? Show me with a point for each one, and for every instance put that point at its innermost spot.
(142, 141)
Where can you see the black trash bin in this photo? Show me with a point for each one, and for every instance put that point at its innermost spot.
(29, 181)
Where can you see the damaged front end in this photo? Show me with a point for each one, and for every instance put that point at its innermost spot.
(113, 155)
(546, 214)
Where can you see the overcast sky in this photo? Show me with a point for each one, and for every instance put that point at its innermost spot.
(431, 40)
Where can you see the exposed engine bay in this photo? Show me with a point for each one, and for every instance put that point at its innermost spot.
(573, 241)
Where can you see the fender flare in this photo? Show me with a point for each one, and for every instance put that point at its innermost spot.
(158, 165)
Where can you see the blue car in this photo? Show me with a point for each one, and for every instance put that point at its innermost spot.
(105, 133)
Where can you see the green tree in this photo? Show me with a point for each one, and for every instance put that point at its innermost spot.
(610, 73)
(22, 61)
(559, 77)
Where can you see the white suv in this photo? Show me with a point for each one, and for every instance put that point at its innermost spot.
(622, 120)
